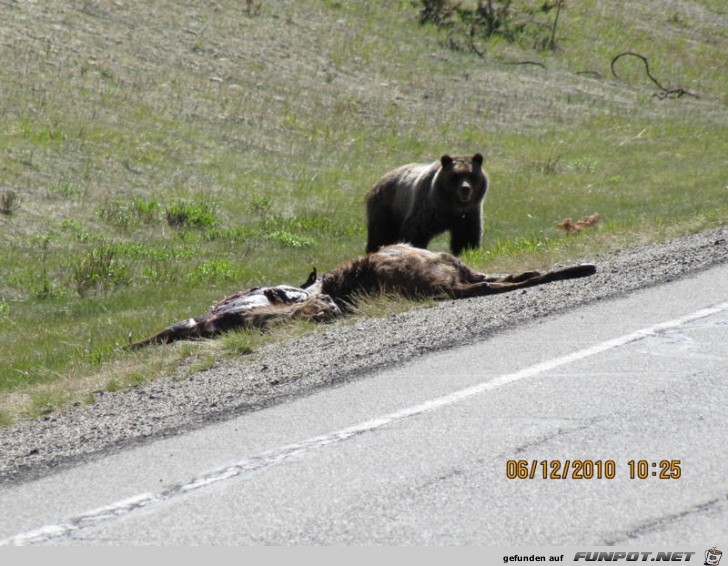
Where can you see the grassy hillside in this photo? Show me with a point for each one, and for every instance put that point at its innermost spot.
(158, 156)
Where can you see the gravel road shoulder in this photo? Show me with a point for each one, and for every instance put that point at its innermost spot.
(340, 352)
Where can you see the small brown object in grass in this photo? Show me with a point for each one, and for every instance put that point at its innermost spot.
(570, 226)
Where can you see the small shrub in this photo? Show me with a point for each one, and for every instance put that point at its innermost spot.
(36, 279)
(119, 214)
(98, 268)
(9, 202)
(146, 210)
(196, 214)
(468, 27)
(127, 215)
(41, 287)
(260, 204)
(437, 12)
(253, 7)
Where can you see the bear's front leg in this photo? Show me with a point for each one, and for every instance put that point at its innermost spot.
(466, 235)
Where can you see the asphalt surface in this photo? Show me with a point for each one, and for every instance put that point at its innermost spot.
(420, 453)
(339, 355)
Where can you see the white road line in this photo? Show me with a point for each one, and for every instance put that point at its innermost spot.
(283, 453)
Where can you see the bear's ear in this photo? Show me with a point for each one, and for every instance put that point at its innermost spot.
(446, 160)
(478, 158)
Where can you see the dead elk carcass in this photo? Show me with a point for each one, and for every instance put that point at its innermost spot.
(258, 308)
(399, 269)
(418, 273)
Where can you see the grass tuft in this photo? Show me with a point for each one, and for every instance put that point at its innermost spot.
(9, 202)
(98, 268)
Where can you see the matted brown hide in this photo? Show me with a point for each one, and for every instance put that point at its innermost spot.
(399, 269)
(257, 308)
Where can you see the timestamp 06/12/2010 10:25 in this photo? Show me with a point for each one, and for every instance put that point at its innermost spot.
(592, 469)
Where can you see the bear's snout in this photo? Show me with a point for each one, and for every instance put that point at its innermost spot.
(466, 192)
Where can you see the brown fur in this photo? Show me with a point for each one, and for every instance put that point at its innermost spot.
(416, 202)
(232, 313)
(399, 269)
(414, 272)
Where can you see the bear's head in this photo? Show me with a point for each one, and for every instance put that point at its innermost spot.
(461, 181)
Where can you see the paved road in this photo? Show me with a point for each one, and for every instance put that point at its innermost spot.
(419, 454)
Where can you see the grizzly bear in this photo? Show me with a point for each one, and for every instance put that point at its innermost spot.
(416, 202)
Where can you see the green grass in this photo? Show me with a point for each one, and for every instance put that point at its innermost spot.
(162, 157)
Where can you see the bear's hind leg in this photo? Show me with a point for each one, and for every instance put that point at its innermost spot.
(381, 233)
